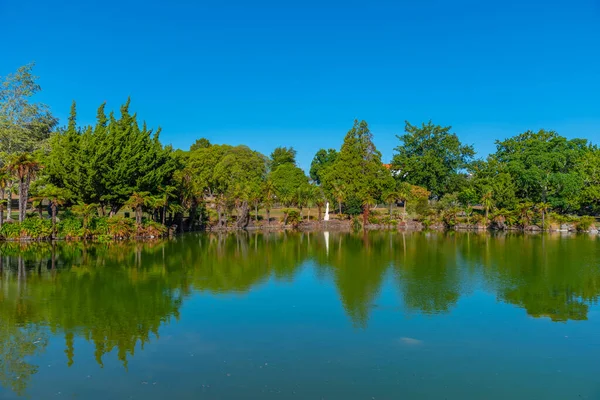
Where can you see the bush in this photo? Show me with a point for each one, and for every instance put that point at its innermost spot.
(152, 229)
(11, 230)
(34, 228)
(374, 219)
(293, 217)
(352, 206)
(70, 228)
(356, 223)
(584, 223)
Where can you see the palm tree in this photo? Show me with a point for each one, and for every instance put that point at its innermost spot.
(404, 192)
(524, 210)
(86, 212)
(56, 196)
(543, 208)
(25, 167)
(390, 198)
(367, 202)
(488, 202)
(302, 194)
(339, 193)
(136, 202)
(319, 200)
(468, 210)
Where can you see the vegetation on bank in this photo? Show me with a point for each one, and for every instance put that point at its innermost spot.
(116, 179)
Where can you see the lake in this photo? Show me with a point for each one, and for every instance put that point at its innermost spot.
(383, 315)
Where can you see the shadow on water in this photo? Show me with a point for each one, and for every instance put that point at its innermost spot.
(118, 295)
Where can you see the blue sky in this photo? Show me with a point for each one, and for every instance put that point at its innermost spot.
(268, 73)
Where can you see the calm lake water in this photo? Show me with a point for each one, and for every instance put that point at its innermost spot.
(303, 316)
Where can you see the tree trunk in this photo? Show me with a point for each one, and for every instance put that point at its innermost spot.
(365, 216)
(268, 216)
(340, 206)
(40, 210)
(243, 215)
(114, 209)
(543, 219)
(54, 207)
(2, 206)
(163, 214)
(308, 215)
(9, 202)
(138, 215)
(193, 212)
(319, 211)
(21, 199)
(220, 216)
(256, 211)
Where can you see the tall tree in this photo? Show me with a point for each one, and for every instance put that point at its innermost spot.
(106, 164)
(359, 168)
(431, 156)
(24, 166)
(281, 156)
(322, 160)
(24, 124)
(543, 165)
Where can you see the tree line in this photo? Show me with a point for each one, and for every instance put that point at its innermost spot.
(92, 173)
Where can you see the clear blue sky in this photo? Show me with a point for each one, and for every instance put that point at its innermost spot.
(268, 73)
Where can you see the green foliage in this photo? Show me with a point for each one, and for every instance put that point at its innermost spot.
(585, 223)
(108, 162)
(358, 170)
(322, 160)
(24, 125)
(33, 228)
(201, 143)
(71, 228)
(352, 206)
(292, 217)
(543, 166)
(287, 179)
(433, 157)
(281, 156)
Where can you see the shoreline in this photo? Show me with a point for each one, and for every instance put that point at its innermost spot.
(312, 226)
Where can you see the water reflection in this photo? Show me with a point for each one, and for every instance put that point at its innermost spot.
(118, 295)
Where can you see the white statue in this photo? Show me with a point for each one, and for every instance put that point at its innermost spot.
(326, 212)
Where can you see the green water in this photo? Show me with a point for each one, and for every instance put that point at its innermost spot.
(303, 316)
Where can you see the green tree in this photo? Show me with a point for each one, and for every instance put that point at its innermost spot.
(137, 201)
(359, 169)
(543, 165)
(24, 166)
(288, 179)
(432, 157)
(56, 196)
(281, 156)
(85, 212)
(107, 163)
(24, 125)
(488, 202)
(322, 160)
(201, 143)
